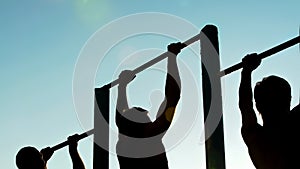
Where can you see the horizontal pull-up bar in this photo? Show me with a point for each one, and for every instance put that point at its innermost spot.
(115, 82)
(155, 60)
(65, 143)
(264, 54)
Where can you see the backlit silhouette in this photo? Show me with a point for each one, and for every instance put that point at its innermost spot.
(272, 145)
(30, 158)
(135, 123)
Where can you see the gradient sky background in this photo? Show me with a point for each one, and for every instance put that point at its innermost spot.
(41, 41)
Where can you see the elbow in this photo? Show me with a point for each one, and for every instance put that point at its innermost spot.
(178, 95)
(176, 98)
(244, 107)
(173, 95)
(241, 105)
(173, 89)
(172, 100)
(176, 91)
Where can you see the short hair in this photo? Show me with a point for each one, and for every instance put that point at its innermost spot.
(272, 89)
(27, 157)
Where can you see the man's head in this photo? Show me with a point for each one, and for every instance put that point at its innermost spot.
(273, 97)
(30, 158)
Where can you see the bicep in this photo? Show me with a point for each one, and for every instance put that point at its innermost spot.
(120, 119)
(250, 133)
(248, 117)
(172, 90)
(159, 126)
(167, 108)
(164, 116)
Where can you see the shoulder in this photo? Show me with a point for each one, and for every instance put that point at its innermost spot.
(295, 112)
(294, 118)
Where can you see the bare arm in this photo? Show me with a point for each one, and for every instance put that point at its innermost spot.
(245, 100)
(173, 85)
(47, 153)
(75, 157)
(122, 104)
(249, 119)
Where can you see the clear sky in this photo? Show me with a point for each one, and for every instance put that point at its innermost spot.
(41, 42)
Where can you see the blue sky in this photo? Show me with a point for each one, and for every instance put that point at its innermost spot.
(41, 41)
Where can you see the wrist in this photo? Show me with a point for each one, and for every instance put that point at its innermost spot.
(73, 150)
(247, 71)
(173, 56)
(172, 59)
(122, 85)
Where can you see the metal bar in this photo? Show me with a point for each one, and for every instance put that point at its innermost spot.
(65, 143)
(155, 60)
(264, 54)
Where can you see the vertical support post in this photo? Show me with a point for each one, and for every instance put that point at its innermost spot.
(212, 98)
(101, 129)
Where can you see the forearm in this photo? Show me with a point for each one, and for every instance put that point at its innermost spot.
(173, 81)
(245, 98)
(245, 90)
(76, 159)
(122, 103)
(172, 90)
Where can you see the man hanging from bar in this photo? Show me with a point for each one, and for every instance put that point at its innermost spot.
(30, 158)
(140, 140)
(273, 145)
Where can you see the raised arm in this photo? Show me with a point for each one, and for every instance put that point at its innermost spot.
(172, 86)
(125, 77)
(75, 157)
(47, 153)
(250, 63)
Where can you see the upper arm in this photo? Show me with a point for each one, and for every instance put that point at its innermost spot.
(250, 133)
(167, 108)
(172, 96)
(172, 91)
(162, 122)
(246, 100)
(249, 123)
(164, 116)
(248, 117)
(118, 118)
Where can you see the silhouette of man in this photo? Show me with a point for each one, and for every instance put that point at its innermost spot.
(30, 158)
(271, 145)
(135, 125)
